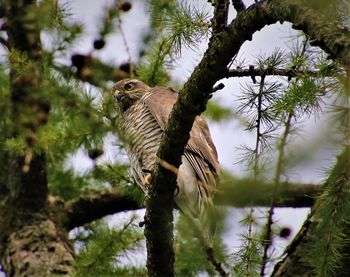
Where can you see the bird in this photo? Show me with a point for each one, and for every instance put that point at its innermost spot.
(143, 112)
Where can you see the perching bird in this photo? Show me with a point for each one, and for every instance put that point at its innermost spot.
(143, 114)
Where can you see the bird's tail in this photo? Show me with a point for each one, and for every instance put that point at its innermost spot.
(207, 220)
(204, 229)
(201, 214)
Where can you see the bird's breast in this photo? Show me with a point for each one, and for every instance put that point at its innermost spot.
(142, 135)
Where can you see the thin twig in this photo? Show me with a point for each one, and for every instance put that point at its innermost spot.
(256, 162)
(267, 241)
(287, 72)
(209, 250)
(250, 236)
(125, 42)
(214, 261)
(258, 127)
(218, 87)
(4, 42)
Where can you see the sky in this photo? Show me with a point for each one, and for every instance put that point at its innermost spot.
(230, 134)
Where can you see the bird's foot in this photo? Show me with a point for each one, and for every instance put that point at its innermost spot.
(147, 178)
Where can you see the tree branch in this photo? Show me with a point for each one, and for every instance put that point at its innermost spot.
(4, 42)
(243, 193)
(91, 207)
(2, 11)
(324, 32)
(238, 5)
(219, 21)
(85, 209)
(287, 72)
(194, 96)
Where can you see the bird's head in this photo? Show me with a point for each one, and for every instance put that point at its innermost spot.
(126, 92)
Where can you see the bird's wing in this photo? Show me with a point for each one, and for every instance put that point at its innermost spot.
(200, 150)
(160, 102)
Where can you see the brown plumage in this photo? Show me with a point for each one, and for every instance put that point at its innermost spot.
(144, 112)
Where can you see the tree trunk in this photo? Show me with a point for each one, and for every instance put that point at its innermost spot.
(32, 244)
(37, 248)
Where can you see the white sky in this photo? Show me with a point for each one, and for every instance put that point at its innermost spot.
(227, 135)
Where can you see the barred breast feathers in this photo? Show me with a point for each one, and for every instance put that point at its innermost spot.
(143, 135)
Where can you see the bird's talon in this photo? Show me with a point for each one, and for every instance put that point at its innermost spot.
(147, 179)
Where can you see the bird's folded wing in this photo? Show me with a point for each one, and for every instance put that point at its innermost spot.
(200, 145)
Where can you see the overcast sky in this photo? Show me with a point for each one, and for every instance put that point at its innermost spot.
(227, 135)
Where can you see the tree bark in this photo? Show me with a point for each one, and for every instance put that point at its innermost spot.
(88, 208)
(32, 244)
(37, 247)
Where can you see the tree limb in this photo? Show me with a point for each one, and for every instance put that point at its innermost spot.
(243, 193)
(2, 11)
(4, 42)
(324, 32)
(219, 20)
(238, 5)
(286, 72)
(194, 96)
(91, 207)
(87, 208)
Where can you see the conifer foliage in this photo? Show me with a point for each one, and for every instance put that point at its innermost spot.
(56, 105)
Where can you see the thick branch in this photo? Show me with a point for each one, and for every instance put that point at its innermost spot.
(243, 193)
(2, 11)
(95, 206)
(194, 96)
(77, 212)
(323, 31)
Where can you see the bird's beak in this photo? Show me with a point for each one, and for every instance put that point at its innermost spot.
(118, 96)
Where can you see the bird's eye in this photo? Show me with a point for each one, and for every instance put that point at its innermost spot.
(129, 86)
